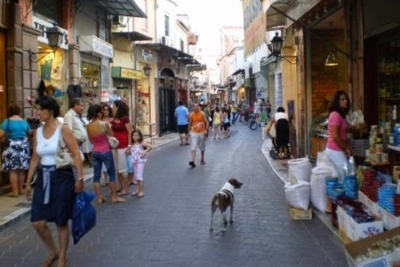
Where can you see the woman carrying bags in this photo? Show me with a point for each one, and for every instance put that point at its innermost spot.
(55, 189)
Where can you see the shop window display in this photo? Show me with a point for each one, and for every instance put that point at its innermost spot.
(143, 106)
(52, 73)
(90, 83)
(389, 80)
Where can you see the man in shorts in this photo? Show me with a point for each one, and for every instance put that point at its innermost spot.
(182, 116)
(198, 126)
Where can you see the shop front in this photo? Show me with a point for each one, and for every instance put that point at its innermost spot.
(95, 55)
(124, 83)
(382, 63)
(52, 67)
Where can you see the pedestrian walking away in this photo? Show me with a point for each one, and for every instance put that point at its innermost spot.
(139, 151)
(198, 125)
(182, 116)
(16, 155)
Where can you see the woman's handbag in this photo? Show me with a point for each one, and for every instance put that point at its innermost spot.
(64, 157)
(271, 130)
(5, 140)
(111, 139)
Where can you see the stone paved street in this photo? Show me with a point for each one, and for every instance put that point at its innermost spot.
(170, 225)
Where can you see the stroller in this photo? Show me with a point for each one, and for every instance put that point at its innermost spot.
(273, 153)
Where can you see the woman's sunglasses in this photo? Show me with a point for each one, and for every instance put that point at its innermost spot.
(106, 109)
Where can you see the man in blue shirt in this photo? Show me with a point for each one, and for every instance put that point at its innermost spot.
(182, 115)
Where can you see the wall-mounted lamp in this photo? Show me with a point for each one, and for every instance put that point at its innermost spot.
(54, 35)
(331, 60)
(147, 70)
(277, 43)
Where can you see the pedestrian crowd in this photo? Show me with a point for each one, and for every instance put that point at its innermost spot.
(111, 145)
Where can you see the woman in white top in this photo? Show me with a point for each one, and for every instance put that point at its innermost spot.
(55, 189)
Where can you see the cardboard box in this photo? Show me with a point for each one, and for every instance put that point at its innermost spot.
(360, 247)
(396, 173)
(299, 214)
(356, 231)
(342, 234)
(389, 220)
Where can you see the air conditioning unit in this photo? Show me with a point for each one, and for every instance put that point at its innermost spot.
(166, 40)
(120, 20)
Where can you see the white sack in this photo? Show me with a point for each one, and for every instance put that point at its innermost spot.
(318, 187)
(298, 195)
(300, 169)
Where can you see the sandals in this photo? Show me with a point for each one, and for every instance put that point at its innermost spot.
(123, 193)
(50, 259)
(202, 162)
(12, 195)
(118, 200)
(101, 200)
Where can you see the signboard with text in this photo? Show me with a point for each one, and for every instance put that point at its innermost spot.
(42, 25)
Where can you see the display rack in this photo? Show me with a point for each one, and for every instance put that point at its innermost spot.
(143, 107)
(90, 84)
(389, 79)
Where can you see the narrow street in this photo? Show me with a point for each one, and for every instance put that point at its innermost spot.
(170, 225)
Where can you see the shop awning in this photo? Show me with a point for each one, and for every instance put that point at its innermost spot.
(265, 61)
(121, 8)
(179, 55)
(237, 72)
(274, 18)
(133, 36)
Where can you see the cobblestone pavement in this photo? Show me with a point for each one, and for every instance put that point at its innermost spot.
(170, 225)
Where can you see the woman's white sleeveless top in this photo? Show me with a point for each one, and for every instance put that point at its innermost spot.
(47, 148)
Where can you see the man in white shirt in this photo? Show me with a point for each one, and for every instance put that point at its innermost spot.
(72, 118)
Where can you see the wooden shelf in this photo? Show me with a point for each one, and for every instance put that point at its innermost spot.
(390, 99)
(395, 148)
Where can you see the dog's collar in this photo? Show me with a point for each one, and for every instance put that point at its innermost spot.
(228, 186)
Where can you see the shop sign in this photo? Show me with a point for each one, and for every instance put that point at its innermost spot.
(91, 43)
(124, 73)
(42, 26)
(192, 39)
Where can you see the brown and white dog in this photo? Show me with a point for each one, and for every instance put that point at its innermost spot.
(224, 199)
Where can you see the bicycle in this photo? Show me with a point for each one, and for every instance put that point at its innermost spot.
(253, 123)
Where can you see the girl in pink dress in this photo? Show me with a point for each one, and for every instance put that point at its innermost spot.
(139, 151)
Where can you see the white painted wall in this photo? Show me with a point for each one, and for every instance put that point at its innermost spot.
(169, 8)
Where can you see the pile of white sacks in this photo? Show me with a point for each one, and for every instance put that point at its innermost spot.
(307, 184)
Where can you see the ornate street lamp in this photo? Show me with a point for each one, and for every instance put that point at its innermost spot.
(55, 37)
(277, 43)
(147, 70)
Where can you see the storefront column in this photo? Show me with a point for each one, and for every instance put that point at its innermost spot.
(14, 55)
(74, 60)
